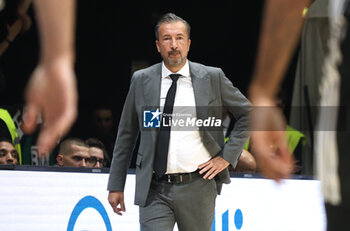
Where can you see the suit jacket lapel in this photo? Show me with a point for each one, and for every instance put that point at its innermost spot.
(201, 87)
(151, 92)
(151, 87)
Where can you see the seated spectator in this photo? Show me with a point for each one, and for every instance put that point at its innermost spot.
(295, 139)
(246, 163)
(8, 153)
(73, 152)
(104, 128)
(8, 130)
(97, 153)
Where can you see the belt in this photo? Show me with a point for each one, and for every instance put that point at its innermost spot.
(177, 178)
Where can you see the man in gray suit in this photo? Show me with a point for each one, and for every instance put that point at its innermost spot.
(178, 173)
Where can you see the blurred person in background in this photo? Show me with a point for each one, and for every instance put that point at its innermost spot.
(97, 153)
(73, 152)
(279, 35)
(8, 153)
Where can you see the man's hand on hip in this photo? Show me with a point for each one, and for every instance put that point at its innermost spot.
(213, 167)
(116, 198)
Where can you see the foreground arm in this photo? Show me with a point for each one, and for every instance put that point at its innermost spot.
(282, 22)
(51, 91)
(127, 134)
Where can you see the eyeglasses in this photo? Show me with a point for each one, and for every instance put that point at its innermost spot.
(94, 160)
(91, 161)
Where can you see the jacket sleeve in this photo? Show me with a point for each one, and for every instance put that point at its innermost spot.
(125, 142)
(239, 106)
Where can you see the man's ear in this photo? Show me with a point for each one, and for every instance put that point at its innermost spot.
(189, 44)
(157, 45)
(59, 159)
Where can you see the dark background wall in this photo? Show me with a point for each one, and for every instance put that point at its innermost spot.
(111, 35)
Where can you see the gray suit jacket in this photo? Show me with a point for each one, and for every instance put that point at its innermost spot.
(212, 90)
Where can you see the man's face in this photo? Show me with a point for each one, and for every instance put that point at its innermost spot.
(78, 157)
(8, 153)
(173, 44)
(104, 120)
(96, 157)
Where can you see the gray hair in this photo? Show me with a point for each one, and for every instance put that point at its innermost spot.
(169, 18)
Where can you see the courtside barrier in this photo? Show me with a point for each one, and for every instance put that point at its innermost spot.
(53, 198)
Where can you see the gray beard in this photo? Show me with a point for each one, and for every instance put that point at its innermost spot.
(176, 63)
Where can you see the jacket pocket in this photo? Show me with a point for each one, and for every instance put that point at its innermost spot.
(212, 101)
(139, 160)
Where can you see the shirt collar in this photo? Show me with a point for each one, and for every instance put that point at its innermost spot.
(184, 71)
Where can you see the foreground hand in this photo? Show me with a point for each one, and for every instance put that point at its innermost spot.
(116, 198)
(269, 143)
(213, 167)
(51, 93)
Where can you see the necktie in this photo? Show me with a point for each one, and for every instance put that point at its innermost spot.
(161, 157)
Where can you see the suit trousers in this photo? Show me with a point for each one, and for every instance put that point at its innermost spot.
(191, 205)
